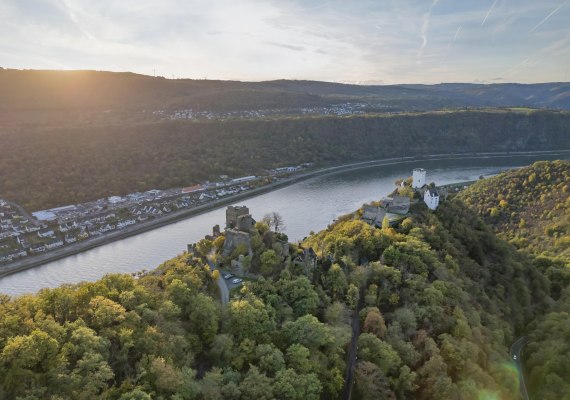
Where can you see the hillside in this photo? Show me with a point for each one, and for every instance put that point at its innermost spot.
(89, 91)
(51, 166)
(442, 300)
(530, 207)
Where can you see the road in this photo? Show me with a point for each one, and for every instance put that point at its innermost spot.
(351, 362)
(516, 350)
(222, 284)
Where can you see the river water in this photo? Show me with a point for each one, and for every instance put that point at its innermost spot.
(305, 206)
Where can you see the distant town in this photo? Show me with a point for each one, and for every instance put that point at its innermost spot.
(23, 234)
(333, 109)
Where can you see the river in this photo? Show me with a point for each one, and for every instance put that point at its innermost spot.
(305, 206)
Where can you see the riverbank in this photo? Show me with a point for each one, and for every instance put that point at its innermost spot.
(184, 214)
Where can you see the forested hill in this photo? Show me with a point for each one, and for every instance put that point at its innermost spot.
(440, 299)
(93, 90)
(530, 207)
(47, 166)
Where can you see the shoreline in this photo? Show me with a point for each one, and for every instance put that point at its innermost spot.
(35, 261)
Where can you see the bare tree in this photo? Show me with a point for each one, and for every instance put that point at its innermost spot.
(274, 220)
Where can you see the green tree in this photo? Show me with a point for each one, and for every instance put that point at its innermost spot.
(292, 386)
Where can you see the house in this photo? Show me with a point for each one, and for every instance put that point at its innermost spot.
(192, 189)
(66, 227)
(55, 244)
(44, 233)
(431, 198)
(70, 239)
(125, 223)
(115, 199)
(37, 249)
(243, 179)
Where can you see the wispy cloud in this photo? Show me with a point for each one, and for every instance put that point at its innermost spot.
(425, 27)
(489, 12)
(548, 16)
(457, 32)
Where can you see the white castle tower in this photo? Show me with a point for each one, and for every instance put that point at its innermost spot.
(419, 178)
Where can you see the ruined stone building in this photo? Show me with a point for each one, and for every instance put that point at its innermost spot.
(232, 215)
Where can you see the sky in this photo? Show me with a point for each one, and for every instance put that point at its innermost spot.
(353, 41)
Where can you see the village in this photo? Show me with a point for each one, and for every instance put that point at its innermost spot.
(333, 109)
(23, 235)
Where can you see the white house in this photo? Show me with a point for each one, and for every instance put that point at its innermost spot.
(419, 178)
(115, 199)
(46, 233)
(431, 198)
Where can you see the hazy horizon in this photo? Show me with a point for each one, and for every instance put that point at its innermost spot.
(388, 42)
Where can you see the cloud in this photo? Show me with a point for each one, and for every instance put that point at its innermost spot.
(300, 39)
(489, 12)
(548, 16)
(425, 27)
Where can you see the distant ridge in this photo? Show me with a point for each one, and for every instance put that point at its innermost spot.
(44, 89)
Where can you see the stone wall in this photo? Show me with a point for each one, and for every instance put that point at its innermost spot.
(233, 239)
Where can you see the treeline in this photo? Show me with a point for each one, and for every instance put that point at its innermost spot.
(47, 167)
(440, 298)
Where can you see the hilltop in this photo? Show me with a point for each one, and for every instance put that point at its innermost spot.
(440, 299)
(530, 207)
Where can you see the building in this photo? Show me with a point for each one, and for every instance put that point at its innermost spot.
(243, 179)
(419, 178)
(373, 215)
(232, 215)
(431, 198)
(44, 215)
(44, 233)
(115, 199)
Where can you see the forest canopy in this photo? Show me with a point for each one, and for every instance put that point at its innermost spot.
(440, 299)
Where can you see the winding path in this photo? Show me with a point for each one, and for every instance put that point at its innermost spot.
(224, 291)
(351, 362)
(516, 350)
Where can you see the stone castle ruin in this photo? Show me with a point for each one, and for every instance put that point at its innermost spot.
(239, 223)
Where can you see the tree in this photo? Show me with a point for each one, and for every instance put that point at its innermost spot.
(385, 223)
(270, 359)
(308, 331)
(298, 358)
(336, 282)
(299, 294)
(249, 318)
(274, 220)
(352, 296)
(372, 349)
(371, 383)
(269, 262)
(105, 312)
(256, 385)
(292, 386)
(374, 323)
